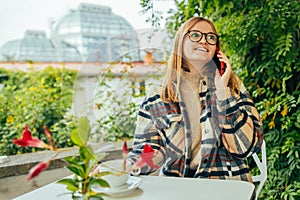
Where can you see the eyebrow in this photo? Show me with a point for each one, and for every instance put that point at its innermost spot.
(201, 31)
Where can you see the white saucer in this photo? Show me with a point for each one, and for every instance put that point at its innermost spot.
(132, 183)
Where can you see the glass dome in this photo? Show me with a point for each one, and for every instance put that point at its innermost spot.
(92, 26)
(90, 33)
(36, 47)
(10, 51)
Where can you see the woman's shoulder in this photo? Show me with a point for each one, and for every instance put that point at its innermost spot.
(153, 98)
(152, 94)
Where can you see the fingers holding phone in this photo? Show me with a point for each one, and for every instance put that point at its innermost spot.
(226, 69)
(226, 62)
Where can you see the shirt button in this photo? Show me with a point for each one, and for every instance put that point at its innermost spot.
(205, 161)
(206, 131)
(204, 83)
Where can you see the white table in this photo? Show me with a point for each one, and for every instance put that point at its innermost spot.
(162, 188)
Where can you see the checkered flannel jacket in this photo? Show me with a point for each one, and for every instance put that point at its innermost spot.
(231, 132)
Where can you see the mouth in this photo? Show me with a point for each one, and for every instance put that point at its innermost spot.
(201, 49)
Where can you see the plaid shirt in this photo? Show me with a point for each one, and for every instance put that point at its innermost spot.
(231, 132)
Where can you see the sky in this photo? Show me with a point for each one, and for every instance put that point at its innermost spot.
(17, 16)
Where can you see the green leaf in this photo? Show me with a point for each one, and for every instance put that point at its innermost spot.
(102, 183)
(70, 183)
(71, 160)
(81, 135)
(96, 197)
(76, 170)
(86, 153)
(95, 181)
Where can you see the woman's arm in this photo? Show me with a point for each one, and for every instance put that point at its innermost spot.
(158, 125)
(241, 124)
(147, 133)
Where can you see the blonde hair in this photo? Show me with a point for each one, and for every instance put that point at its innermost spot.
(169, 93)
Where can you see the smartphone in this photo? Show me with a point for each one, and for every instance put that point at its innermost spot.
(221, 65)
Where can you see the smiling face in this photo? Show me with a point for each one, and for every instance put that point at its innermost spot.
(197, 54)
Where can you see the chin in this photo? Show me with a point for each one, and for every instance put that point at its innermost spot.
(202, 59)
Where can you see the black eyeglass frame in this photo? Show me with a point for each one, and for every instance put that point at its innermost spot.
(205, 34)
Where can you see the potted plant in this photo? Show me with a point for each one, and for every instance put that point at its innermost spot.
(82, 165)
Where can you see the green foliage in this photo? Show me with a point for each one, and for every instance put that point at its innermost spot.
(83, 166)
(262, 40)
(155, 16)
(35, 98)
(185, 10)
(62, 129)
(266, 52)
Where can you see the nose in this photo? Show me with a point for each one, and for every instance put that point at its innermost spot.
(203, 40)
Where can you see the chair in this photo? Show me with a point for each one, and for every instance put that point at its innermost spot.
(262, 166)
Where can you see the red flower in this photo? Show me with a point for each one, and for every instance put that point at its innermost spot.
(146, 157)
(36, 170)
(28, 140)
(148, 152)
(125, 148)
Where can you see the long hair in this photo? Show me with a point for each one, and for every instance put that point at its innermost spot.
(169, 91)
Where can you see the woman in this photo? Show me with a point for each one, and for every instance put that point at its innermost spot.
(199, 123)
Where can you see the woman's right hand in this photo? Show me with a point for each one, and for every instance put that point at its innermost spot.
(221, 82)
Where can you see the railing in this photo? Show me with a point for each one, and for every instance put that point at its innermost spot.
(14, 170)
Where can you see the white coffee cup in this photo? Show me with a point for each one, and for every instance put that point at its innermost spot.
(119, 176)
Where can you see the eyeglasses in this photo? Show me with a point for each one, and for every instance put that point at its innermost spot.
(196, 36)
